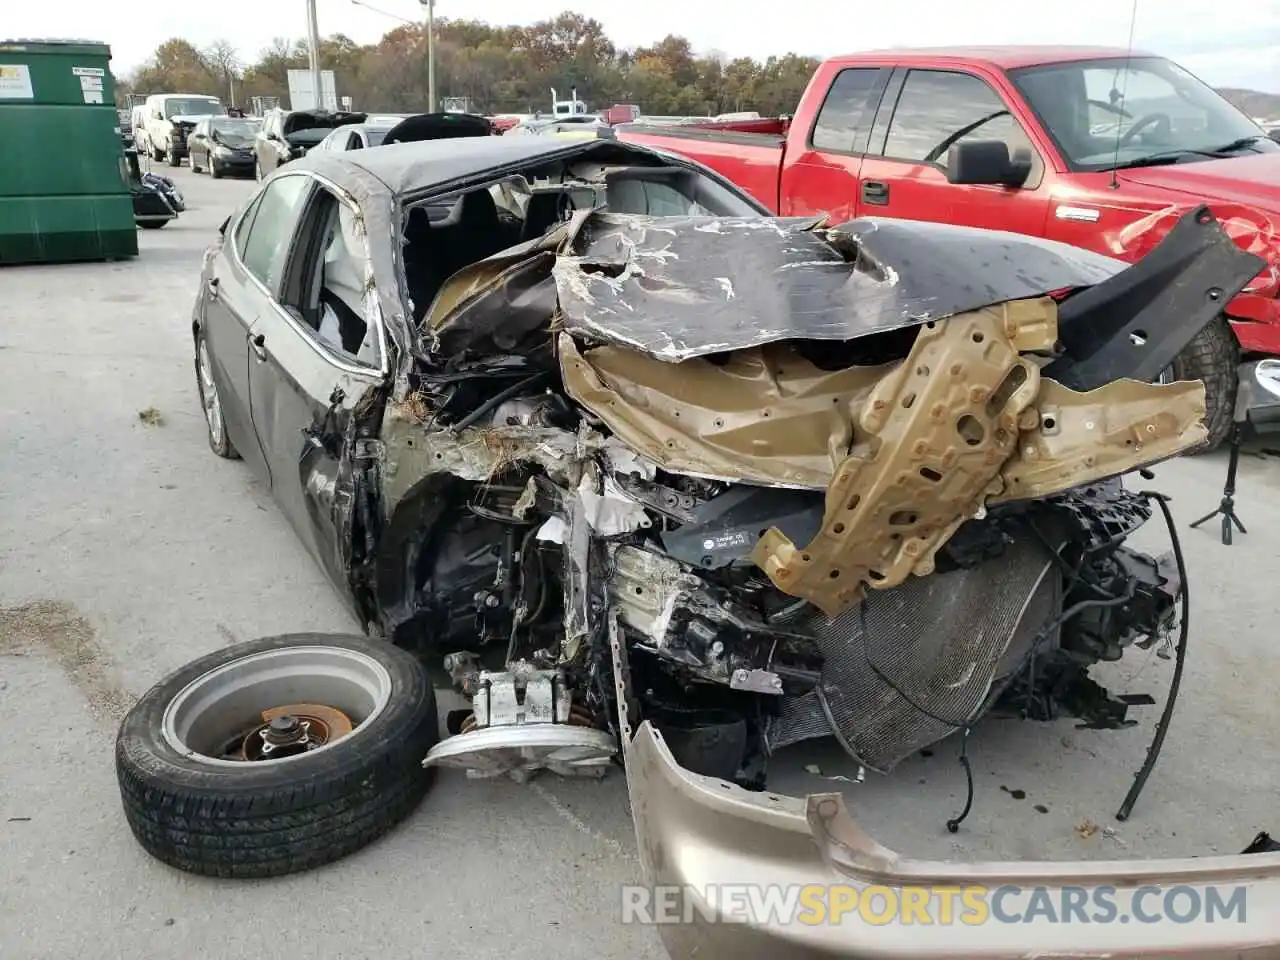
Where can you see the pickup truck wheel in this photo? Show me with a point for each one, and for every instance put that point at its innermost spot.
(276, 755)
(1212, 357)
(174, 159)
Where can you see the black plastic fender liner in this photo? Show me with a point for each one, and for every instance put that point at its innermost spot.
(1134, 324)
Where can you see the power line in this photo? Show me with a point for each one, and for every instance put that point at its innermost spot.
(385, 13)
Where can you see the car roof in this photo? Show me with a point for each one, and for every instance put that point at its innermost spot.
(1008, 57)
(418, 166)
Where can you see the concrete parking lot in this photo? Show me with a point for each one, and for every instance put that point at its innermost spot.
(127, 549)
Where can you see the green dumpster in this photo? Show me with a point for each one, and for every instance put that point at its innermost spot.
(63, 188)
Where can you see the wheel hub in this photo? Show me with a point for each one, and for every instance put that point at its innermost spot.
(290, 730)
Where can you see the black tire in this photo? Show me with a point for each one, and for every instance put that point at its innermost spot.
(173, 158)
(157, 154)
(219, 439)
(214, 172)
(191, 161)
(152, 224)
(1213, 357)
(254, 820)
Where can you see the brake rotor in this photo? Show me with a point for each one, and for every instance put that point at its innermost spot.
(293, 729)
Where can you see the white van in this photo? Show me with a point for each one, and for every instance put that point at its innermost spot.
(170, 117)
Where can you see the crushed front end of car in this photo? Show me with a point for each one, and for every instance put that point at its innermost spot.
(702, 487)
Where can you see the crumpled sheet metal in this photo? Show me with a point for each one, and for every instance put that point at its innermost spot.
(932, 439)
(907, 451)
(883, 521)
(1083, 437)
(682, 287)
(766, 416)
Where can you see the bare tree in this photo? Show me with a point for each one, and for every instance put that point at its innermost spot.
(223, 58)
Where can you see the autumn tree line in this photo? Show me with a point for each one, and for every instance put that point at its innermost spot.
(500, 68)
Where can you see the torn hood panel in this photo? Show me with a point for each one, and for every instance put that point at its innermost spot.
(682, 287)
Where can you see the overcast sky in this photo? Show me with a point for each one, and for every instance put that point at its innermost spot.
(1237, 45)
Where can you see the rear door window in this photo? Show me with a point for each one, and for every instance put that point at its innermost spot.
(264, 250)
(937, 109)
(844, 122)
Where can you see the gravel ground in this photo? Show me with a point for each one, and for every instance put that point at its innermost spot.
(126, 550)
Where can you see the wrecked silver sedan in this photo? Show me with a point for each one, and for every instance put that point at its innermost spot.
(652, 475)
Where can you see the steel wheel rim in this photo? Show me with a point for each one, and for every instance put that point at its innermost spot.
(227, 700)
(209, 395)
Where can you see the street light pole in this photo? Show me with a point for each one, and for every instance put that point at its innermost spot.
(313, 53)
(430, 7)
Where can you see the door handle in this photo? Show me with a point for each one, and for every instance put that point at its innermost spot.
(259, 344)
(875, 191)
(213, 288)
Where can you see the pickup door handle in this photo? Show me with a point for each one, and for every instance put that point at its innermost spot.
(875, 191)
(259, 344)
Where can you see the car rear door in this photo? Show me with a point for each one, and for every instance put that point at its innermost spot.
(823, 175)
(923, 113)
(230, 303)
(312, 360)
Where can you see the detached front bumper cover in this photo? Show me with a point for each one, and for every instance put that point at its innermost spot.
(713, 841)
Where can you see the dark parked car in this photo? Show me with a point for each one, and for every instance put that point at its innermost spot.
(289, 134)
(222, 145)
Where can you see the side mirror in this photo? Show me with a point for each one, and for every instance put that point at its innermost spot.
(988, 162)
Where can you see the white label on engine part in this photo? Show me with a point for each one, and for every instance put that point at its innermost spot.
(15, 82)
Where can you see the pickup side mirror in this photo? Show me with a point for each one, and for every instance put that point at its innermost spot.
(988, 162)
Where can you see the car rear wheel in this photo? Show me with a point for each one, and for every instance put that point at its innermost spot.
(276, 755)
(1212, 357)
(211, 401)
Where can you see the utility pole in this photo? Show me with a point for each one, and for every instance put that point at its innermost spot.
(430, 7)
(313, 51)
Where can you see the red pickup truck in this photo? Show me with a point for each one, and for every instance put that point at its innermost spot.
(1100, 148)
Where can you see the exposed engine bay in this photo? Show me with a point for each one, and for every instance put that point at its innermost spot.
(826, 481)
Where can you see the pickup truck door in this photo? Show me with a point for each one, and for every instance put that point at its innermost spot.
(820, 172)
(922, 114)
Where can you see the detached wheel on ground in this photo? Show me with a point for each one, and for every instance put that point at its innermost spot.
(1213, 357)
(276, 755)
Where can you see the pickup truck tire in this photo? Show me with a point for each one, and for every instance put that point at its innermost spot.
(267, 817)
(1212, 357)
(173, 158)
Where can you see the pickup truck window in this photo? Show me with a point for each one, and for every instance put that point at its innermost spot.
(938, 109)
(844, 122)
(1102, 113)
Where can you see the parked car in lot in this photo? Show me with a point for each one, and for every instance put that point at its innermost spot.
(223, 145)
(289, 134)
(405, 129)
(170, 118)
(125, 122)
(653, 472)
(1101, 148)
